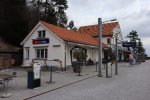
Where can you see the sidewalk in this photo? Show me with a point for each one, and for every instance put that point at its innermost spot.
(20, 91)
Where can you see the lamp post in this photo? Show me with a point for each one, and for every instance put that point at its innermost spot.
(100, 47)
(117, 31)
(116, 66)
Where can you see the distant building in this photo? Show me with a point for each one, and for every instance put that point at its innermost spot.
(10, 55)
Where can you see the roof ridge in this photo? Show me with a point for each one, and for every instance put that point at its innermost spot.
(97, 24)
(52, 25)
(74, 32)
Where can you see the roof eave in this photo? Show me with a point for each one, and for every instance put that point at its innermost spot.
(80, 44)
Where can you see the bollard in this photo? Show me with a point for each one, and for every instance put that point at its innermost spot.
(107, 72)
(96, 66)
(50, 82)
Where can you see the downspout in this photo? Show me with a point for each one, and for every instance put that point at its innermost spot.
(65, 57)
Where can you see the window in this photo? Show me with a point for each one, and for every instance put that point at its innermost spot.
(41, 34)
(41, 53)
(27, 53)
(108, 41)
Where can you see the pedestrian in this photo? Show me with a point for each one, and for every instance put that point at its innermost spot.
(131, 58)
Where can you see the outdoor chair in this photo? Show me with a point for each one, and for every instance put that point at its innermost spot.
(1, 86)
(11, 72)
(1, 83)
(14, 75)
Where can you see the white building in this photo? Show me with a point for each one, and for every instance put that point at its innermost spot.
(50, 42)
(110, 30)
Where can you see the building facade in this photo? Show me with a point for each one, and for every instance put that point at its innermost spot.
(49, 42)
(110, 32)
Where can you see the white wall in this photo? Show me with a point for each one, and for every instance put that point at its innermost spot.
(104, 40)
(68, 58)
(53, 52)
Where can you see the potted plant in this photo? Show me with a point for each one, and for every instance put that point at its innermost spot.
(79, 58)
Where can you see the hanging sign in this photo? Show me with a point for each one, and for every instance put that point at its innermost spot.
(129, 44)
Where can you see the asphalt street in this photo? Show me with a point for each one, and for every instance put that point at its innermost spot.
(132, 83)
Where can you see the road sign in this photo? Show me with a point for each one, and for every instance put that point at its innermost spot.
(129, 44)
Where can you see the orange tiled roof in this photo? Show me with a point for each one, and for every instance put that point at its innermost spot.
(72, 36)
(107, 29)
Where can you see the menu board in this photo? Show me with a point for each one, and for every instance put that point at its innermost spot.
(36, 70)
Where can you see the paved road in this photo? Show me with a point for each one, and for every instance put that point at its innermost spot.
(132, 83)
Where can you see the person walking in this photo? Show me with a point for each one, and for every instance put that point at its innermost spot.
(131, 58)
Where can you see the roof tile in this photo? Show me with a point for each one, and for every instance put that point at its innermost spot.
(107, 29)
(73, 36)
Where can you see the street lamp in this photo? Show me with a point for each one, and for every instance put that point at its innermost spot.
(116, 31)
(116, 66)
(100, 45)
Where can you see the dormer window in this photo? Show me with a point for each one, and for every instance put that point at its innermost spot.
(41, 34)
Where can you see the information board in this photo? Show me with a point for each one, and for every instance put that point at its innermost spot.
(36, 70)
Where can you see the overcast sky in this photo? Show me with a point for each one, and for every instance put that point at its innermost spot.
(131, 14)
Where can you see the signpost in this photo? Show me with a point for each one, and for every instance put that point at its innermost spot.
(129, 44)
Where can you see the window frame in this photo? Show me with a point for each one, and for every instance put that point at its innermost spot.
(41, 53)
(27, 52)
(41, 34)
(108, 41)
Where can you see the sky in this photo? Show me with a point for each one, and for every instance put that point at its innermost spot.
(131, 14)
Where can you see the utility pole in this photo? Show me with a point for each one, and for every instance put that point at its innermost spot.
(100, 47)
(116, 66)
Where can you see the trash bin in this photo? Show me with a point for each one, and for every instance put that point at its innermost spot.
(34, 76)
(30, 80)
(74, 64)
(77, 66)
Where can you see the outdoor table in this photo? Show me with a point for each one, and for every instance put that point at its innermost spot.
(4, 78)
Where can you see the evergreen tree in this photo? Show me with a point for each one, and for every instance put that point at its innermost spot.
(18, 17)
(33, 11)
(61, 6)
(55, 12)
(133, 36)
(48, 13)
(139, 50)
(51, 11)
(13, 20)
